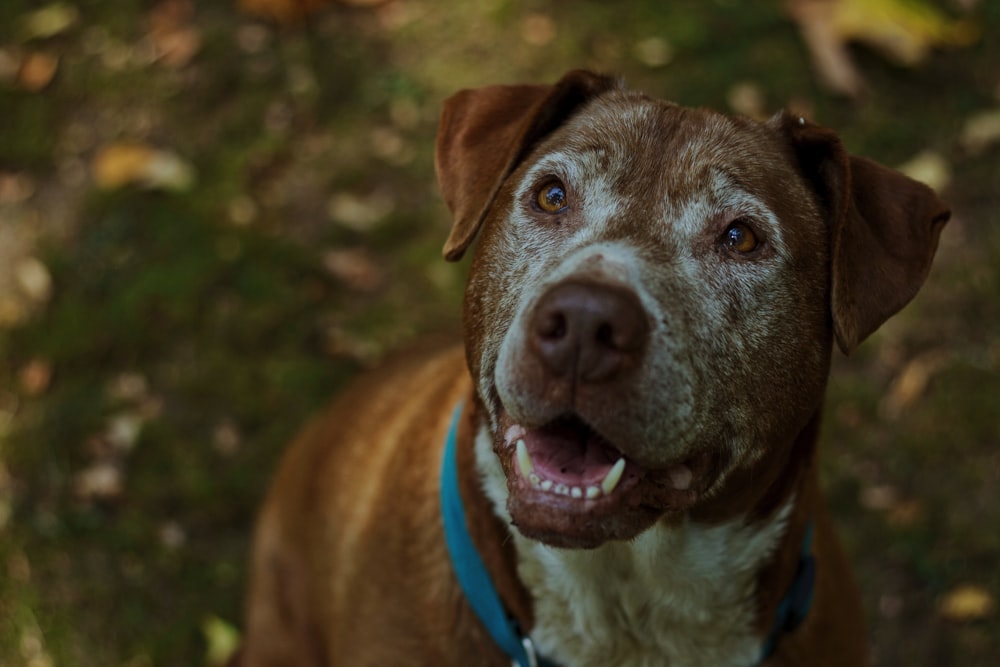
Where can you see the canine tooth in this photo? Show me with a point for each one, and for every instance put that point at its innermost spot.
(613, 477)
(534, 479)
(593, 492)
(562, 489)
(576, 492)
(524, 460)
(546, 485)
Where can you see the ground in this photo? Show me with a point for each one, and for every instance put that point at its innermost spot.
(209, 222)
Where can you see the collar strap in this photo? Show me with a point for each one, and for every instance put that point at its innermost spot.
(482, 596)
(794, 607)
(470, 569)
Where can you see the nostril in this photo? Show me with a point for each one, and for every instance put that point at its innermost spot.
(553, 326)
(605, 336)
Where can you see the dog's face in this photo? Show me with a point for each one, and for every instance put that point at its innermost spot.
(649, 311)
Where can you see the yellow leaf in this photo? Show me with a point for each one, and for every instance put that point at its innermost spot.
(221, 638)
(903, 30)
(121, 164)
(967, 603)
(48, 21)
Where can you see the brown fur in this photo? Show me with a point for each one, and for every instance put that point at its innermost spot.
(350, 565)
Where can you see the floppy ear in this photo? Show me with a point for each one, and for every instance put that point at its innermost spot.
(486, 132)
(884, 230)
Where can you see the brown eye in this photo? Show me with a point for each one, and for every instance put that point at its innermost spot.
(552, 197)
(738, 237)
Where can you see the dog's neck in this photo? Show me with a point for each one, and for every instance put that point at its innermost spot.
(685, 592)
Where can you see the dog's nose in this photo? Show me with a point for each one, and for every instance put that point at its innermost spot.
(588, 332)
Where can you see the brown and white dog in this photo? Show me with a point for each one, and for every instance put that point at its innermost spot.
(648, 325)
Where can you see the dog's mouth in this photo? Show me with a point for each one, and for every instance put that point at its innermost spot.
(571, 487)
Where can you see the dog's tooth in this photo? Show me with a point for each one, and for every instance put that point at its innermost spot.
(613, 477)
(562, 489)
(576, 492)
(535, 480)
(524, 460)
(593, 491)
(546, 485)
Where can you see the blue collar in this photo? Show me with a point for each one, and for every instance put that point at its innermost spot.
(485, 601)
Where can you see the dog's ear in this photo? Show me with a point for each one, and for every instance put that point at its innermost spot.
(486, 132)
(884, 230)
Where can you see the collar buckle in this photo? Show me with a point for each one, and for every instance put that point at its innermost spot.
(529, 651)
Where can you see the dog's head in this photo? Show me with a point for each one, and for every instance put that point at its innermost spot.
(656, 291)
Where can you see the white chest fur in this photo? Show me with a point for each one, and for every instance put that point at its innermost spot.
(677, 596)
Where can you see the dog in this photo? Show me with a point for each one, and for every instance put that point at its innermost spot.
(619, 464)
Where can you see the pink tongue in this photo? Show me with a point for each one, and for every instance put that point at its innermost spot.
(569, 455)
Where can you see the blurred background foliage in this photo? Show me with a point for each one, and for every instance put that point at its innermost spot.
(212, 214)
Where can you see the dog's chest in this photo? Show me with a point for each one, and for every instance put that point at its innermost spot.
(677, 596)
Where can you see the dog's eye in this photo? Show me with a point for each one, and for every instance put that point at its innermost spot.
(739, 238)
(552, 197)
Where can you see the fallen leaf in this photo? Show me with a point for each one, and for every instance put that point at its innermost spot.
(35, 377)
(928, 167)
(226, 438)
(968, 602)
(174, 38)
(362, 214)
(120, 164)
(48, 21)
(100, 481)
(981, 131)
(128, 387)
(748, 98)
(355, 267)
(172, 535)
(37, 71)
(538, 29)
(34, 279)
(221, 639)
(654, 52)
(904, 31)
(911, 383)
(905, 513)
(122, 430)
(881, 497)
(15, 188)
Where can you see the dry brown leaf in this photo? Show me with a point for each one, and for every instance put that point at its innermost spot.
(906, 513)
(538, 29)
(120, 164)
(37, 71)
(911, 383)
(968, 602)
(174, 38)
(35, 377)
(355, 267)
